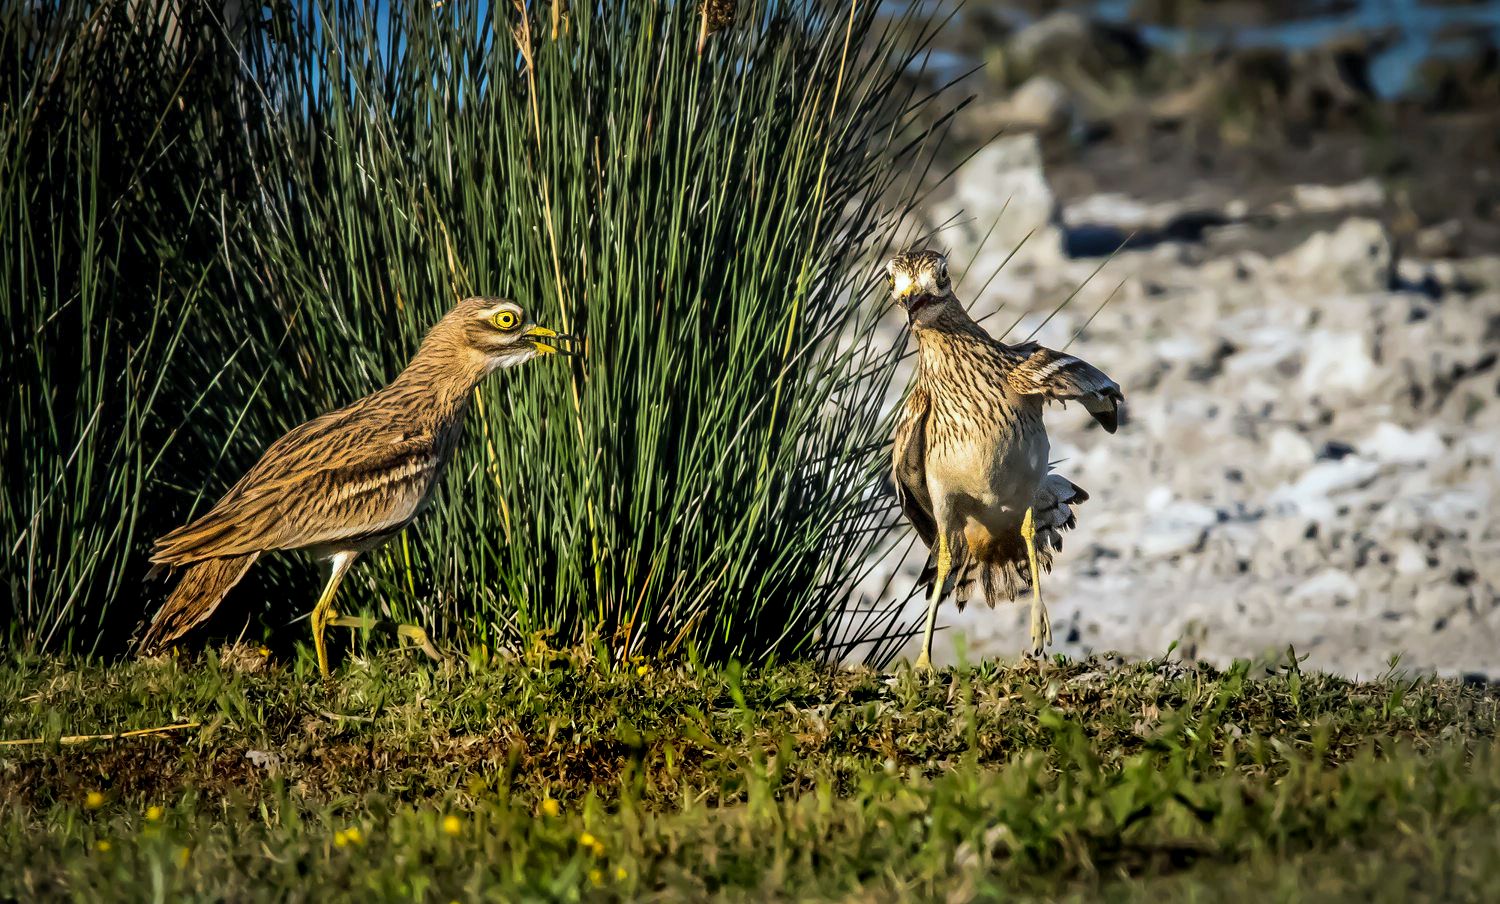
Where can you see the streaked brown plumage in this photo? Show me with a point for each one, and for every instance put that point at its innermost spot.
(970, 458)
(343, 483)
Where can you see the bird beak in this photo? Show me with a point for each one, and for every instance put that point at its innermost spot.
(905, 299)
(549, 342)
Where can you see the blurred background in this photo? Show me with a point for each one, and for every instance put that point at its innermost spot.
(1303, 306)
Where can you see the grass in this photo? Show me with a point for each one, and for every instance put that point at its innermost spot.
(557, 775)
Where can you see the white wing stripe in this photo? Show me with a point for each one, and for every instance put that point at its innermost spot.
(1052, 367)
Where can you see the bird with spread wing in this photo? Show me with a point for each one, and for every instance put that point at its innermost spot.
(970, 459)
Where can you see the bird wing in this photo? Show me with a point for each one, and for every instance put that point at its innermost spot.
(337, 477)
(909, 465)
(1061, 377)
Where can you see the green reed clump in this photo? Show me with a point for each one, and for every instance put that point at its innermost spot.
(111, 157)
(708, 474)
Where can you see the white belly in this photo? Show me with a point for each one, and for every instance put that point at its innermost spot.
(985, 476)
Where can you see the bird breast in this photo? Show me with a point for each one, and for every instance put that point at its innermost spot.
(986, 446)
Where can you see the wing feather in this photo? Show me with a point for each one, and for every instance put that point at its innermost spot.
(338, 476)
(1064, 378)
(909, 465)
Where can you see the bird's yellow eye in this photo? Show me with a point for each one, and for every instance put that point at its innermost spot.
(505, 320)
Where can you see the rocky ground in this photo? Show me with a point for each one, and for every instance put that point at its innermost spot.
(1307, 339)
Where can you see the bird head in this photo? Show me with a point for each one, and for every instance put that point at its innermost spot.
(919, 283)
(502, 333)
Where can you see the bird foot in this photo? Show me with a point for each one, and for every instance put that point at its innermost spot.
(419, 639)
(416, 636)
(1041, 630)
(923, 663)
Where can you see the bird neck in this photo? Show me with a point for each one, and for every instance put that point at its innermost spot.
(948, 330)
(445, 369)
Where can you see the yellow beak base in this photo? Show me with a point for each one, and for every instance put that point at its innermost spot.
(541, 332)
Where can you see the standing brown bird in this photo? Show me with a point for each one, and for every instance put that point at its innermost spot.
(970, 459)
(346, 482)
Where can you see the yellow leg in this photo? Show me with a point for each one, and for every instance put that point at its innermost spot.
(323, 611)
(1041, 623)
(944, 564)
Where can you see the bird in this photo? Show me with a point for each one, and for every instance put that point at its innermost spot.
(344, 483)
(970, 450)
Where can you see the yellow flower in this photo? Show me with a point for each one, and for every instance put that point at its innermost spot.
(551, 807)
(591, 844)
(596, 876)
(94, 800)
(265, 652)
(153, 813)
(102, 846)
(620, 873)
(183, 856)
(452, 825)
(347, 837)
(642, 670)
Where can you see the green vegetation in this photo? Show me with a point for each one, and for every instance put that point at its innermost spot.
(561, 776)
(259, 219)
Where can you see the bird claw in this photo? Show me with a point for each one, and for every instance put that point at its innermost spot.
(419, 639)
(1041, 631)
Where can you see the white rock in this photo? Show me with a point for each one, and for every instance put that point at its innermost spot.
(1061, 30)
(1396, 445)
(1169, 541)
(1332, 198)
(1006, 176)
(1328, 478)
(1329, 584)
(1439, 240)
(1188, 514)
(1041, 101)
(1410, 559)
(1355, 257)
(1289, 450)
(1181, 348)
(1462, 504)
(1110, 208)
(1259, 360)
(263, 759)
(1127, 213)
(1336, 363)
(1440, 599)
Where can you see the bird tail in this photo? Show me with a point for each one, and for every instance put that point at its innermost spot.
(1001, 570)
(203, 586)
(1003, 573)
